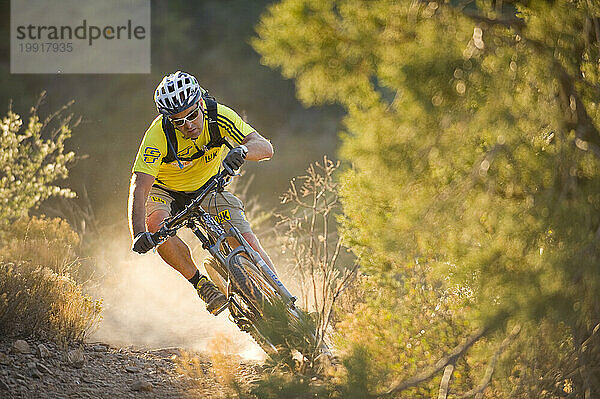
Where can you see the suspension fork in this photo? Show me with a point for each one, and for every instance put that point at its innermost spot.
(245, 247)
(267, 272)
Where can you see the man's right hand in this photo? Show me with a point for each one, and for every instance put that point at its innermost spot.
(142, 242)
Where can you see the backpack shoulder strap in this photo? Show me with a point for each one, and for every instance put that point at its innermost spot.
(216, 139)
(169, 131)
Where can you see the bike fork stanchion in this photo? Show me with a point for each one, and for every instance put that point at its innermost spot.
(213, 250)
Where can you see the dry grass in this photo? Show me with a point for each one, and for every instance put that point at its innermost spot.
(223, 370)
(223, 354)
(42, 242)
(39, 296)
(313, 246)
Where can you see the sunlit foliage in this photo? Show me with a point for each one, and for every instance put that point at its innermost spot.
(472, 146)
(32, 159)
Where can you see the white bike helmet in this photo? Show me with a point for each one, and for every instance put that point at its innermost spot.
(176, 92)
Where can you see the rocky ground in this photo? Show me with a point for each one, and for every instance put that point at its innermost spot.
(31, 369)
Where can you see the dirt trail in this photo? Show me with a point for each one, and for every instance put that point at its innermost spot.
(96, 370)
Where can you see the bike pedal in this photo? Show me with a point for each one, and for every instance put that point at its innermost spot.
(222, 308)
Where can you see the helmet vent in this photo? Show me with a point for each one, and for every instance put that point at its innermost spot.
(176, 92)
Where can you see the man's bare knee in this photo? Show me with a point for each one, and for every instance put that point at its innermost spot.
(155, 219)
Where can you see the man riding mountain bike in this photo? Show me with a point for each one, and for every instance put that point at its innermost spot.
(181, 151)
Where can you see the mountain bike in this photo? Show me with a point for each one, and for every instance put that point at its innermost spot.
(239, 271)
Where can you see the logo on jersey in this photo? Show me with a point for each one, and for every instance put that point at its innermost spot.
(151, 154)
(158, 199)
(185, 152)
(223, 216)
(183, 164)
(209, 157)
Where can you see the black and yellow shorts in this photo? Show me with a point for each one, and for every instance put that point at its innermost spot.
(224, 207)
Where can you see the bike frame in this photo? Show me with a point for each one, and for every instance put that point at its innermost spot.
(213, 238)
(197, 219)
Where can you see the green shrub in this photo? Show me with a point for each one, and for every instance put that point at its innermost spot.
(32, 160)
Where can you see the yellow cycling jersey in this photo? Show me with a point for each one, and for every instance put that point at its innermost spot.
(193, 174)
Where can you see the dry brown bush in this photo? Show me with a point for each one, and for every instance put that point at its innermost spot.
(41, 242)
(39, 296)
(313, 246)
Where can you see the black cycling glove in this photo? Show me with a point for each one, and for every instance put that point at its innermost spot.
(235, 158)
(143, 242)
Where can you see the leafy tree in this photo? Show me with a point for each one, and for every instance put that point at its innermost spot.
(473, 148)
(32, 159)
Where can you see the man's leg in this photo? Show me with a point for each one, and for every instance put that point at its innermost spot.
(177, 254)
(173, 251)
(255, 244)
(229, 210)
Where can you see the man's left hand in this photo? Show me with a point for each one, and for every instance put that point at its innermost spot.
(235, 159)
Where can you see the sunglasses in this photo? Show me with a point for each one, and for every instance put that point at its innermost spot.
(178, 122)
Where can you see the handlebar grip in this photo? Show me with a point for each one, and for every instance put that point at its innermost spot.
(227, 171)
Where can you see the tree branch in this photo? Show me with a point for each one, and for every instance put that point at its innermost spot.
(442, 363)
(490, 368)
(595, 22)
(587, 341)
(581, 122)
(507, 22)
(446, 381)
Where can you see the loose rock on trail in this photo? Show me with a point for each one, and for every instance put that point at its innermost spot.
(96, 370)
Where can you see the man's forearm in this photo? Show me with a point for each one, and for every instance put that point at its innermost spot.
(136, 208)
(137, 217)
(259, 148)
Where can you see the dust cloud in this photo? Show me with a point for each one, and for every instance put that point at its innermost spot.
(148, 304)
